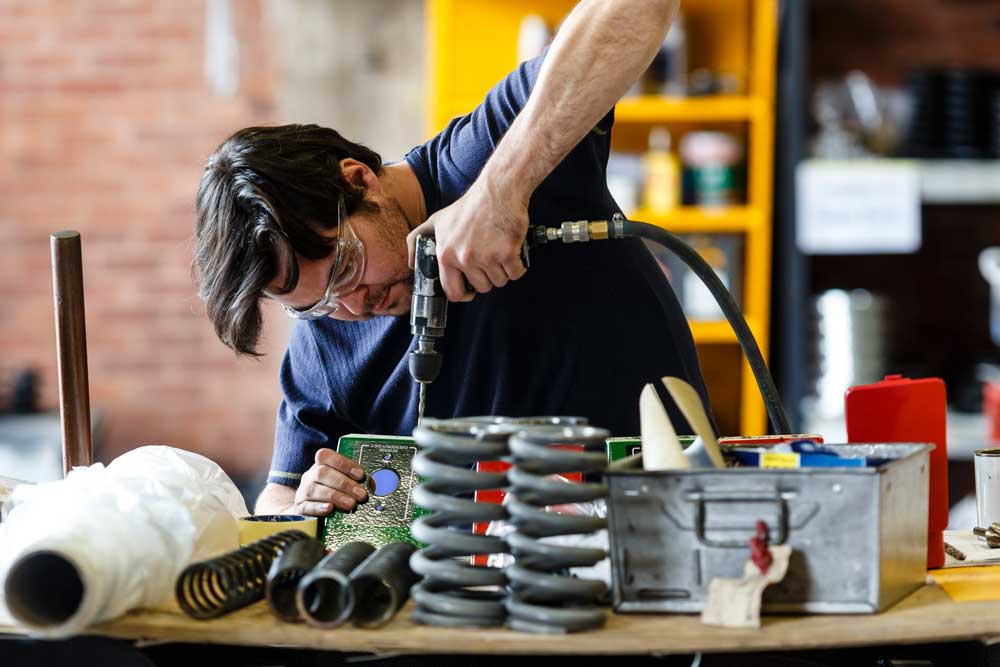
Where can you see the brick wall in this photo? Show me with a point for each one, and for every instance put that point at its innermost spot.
(105, 124)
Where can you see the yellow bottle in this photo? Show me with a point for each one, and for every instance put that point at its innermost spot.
(662, 174)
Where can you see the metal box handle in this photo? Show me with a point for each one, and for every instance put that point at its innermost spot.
(702, 498)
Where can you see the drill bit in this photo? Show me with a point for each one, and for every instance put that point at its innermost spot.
(420, 403)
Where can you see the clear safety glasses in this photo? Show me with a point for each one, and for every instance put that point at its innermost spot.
(345, 274)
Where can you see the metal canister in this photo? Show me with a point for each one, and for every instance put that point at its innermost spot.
(325, 597)
(381, 584)
(288, 569)
(987, 486)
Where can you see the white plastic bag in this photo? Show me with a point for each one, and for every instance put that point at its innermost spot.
(126, 530)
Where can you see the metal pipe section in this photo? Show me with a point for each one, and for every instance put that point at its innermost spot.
(381, 585)
(71, 349)
(288, 569)
(324, 598)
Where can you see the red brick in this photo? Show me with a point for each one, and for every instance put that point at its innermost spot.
(107, 121)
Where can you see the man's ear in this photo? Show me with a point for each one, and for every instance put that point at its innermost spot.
(359, 175)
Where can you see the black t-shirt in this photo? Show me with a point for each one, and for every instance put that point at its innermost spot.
(579, 334)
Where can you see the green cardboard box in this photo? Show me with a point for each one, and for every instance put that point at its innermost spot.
(619, 448)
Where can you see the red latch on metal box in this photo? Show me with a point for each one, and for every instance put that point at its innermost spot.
(903, 410)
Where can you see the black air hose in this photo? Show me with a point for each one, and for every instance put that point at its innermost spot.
(701, 268)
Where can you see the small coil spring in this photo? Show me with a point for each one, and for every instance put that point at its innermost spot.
(543, 598)
(234, 580)
(448, 450)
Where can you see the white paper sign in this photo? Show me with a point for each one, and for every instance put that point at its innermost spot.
(856, 207)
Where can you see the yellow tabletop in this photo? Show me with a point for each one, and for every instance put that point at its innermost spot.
(967, 584)
(928, 615)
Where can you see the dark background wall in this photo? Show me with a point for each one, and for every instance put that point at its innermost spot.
(938, 298)
(886, 37)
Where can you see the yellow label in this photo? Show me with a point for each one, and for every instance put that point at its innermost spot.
(779, 460)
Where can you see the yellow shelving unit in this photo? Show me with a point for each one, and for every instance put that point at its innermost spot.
(472, 45)
(654, 109)
(691, 219)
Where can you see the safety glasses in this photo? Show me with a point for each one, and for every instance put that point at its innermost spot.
(345, 274)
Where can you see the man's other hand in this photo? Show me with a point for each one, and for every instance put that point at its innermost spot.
(331, 483)
(478, 240)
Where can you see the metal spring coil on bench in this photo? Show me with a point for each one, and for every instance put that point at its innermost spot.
(448, 451)
(451, 593)
(220, 585)
(543, 598)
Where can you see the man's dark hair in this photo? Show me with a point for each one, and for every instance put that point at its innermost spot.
(266, 195)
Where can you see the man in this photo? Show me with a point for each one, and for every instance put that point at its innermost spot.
(300, 215)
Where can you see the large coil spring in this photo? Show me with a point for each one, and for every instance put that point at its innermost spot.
(543, 598)
(234, 580)
(448, 451)
(453, 592)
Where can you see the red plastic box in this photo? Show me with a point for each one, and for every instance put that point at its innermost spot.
(903, 410)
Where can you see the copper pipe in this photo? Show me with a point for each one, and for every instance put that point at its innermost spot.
(71, 349)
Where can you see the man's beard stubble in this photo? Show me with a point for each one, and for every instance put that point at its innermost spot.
(391, 227)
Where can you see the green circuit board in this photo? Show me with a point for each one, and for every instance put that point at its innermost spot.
(387, 514)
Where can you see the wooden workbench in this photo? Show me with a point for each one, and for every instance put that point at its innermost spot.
(926, 616)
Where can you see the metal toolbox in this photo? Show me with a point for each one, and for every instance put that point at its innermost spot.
(859, 535)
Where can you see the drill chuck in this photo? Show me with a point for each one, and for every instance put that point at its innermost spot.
(425, 361)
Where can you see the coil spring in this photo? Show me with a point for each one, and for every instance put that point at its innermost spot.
(234, 580)
(451, 592)
(542, 598)
(448, 450)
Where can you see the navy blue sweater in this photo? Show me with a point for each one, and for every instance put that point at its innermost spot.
(579, 334)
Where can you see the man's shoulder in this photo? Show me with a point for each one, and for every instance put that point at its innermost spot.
(450, 161)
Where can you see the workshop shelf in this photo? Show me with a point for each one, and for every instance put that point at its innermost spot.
(473, 44)
(712, 332)
(698, 220)
(658, 109)
(716, 332)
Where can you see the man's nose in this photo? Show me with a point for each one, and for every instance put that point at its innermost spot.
(354, 301)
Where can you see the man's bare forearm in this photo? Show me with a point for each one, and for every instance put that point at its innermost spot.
(600, 51)
(275, 499)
